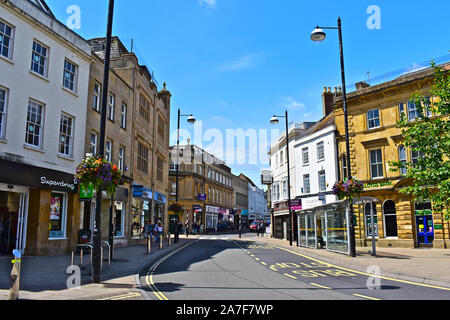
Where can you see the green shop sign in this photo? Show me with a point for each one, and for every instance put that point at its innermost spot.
(86, 192)
(370, 185)
(437, 226)
(426, 212)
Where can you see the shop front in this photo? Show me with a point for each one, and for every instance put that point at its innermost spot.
(141, 210)
(39, 209)
(325, 227)
(159, 208)
(212, 218)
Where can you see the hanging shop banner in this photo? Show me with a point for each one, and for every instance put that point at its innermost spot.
(86, 192)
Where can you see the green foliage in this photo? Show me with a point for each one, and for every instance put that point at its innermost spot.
(429, 137)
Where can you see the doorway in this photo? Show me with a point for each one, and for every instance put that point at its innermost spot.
(13, 215)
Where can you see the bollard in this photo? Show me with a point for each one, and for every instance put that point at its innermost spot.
(15, 276)
(160, 241)
(149, 245)
(168, 239)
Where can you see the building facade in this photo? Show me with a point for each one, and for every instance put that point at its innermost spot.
(205, 188)
(42, 127)
(240, 191)
(375, 140)
(150, 121)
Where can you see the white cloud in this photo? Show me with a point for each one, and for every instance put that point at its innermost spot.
(209, 3)
(292, 104)
(248, 61)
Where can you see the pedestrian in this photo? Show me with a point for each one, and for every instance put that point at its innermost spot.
(262, 227)
(186, 228)
(146, 230)
(159, 230)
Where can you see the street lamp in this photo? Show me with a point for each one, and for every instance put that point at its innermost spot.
(319, 35)
(275, 120)
(97, 234)
(190, 120)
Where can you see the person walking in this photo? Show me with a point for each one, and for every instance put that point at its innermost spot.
(186, 228)
(146, 230)
(159, 230)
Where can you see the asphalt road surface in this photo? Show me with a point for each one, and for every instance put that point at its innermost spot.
(229, 269)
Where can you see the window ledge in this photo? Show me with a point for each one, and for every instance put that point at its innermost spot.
(39, 76)
(33, 148)
(369, 130)
(65, 157)
(70, 91)
(50, 239)
(2, 140)
(7, 60)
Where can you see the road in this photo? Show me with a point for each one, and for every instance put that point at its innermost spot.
(221, 268)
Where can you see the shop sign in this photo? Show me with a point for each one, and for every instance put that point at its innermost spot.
(425, 212)
(202, 197)
(296, 204)
(438, 226)
(373, 185)
(160, 197)
(212, 209)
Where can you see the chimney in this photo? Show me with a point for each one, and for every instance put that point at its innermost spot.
(327, 101)
(361, 85)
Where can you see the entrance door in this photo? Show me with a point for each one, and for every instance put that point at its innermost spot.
(13, 217)
(425, 231)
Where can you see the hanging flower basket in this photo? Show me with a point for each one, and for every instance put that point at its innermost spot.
(101, 173)
(347, 189)
(176, 207)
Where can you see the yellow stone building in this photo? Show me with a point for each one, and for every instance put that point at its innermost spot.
(375, 140)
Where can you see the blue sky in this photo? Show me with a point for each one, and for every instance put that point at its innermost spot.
(235, 63)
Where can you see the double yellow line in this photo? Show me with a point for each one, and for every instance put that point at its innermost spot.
(149, 277)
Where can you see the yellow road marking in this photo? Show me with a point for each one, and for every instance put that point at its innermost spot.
(123, 296)
(366, 274)
(318, 285)
(361, 296)
(288, 275)
(262, 262)
(149, 277)
(257, 259)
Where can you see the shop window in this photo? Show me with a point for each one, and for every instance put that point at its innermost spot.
(390, 219)
(119, 218)
(57, 216)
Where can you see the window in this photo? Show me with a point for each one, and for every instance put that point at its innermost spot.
(6, 39)
(142, 158)
(320, 151)
(161, 127)
(322, 182)
(96, 97)
(3, 102)
(376, 164)
(373, 119)
(285, 190)
(402, 159)
(111, 104)
(57, 215)
(144, 107)
(390, 219)
(412, 111)
(281, 158)
(93, 144)
(35, 124)
(306, 184)
(401, 109)
(123, 116)
(108, 151)
(70, 76)
(173, 166)
(416, 154)
(427, 107)
(160, 169)
(39, 59)
(344, 167)
(66, 135)
(305, 156)
(174, 188)
(121, 158)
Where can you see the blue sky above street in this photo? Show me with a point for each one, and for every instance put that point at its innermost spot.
(235, 63)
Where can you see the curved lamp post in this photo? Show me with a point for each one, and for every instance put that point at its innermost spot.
(319, 35)
(275, 120)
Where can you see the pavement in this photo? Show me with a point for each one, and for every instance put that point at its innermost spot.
(46, 278)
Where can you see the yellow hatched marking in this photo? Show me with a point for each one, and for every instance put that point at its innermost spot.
(262, 262)
(318, 285)
(123, 296)
(366, 297)
(288, 275)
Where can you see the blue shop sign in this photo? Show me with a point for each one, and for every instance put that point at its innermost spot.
(160, 197)
(142, 192)
(244, 212)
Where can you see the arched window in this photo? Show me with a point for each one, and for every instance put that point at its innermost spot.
(390, 219)
(402, 158)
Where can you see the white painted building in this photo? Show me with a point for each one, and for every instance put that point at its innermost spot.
(44, 76)
(256, 203)
(316, 168)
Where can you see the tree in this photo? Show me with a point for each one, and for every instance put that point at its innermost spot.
(428, 138)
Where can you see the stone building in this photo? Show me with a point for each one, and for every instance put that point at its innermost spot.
(240, 191)
(205, 188)
(375, 140)
(149, 112)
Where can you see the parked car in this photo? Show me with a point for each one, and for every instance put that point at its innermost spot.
(254, 225)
